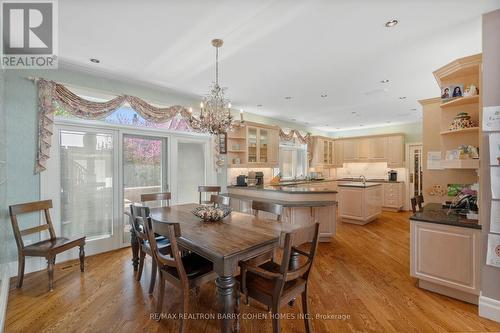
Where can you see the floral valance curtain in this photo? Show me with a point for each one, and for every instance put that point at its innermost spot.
(304, 139)
(51, 94)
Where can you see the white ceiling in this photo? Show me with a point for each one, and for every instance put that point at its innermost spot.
(282, 48)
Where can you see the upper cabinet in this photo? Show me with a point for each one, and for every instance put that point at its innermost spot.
(253, 145)
(379, 148)
(395, 151)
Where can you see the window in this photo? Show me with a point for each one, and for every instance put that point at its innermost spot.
(293, 160)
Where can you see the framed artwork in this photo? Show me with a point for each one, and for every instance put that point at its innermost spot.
(223, 143)
(446, 92)
(457, 91)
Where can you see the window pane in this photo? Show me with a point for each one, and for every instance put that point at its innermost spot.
(190, 170)
(142, 167)
(86, 184)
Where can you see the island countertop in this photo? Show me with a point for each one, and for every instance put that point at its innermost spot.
(435, 213)
(286, 189)
(359, 184)
(284, 203)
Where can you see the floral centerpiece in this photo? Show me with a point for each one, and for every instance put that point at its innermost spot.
(211, 213)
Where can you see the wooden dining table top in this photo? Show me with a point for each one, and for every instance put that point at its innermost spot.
(238, 235)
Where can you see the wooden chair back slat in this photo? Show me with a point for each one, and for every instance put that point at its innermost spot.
(30, 207)
(207, 189)
(268, 207)
(163, 196)
(33, 230)
(293, 240)
(218, 200)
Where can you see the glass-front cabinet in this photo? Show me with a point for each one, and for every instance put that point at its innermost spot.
(262, 146)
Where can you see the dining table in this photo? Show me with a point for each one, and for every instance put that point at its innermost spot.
(238, 236)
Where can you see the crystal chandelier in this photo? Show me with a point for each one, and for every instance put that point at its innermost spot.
(215, 116)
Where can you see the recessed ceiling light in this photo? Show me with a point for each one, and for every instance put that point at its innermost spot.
(391, 23)
(324, 95)
(353, 112)
(402, 97)
(388, 121)
(413, 109)
(94, 60)
(338, 128)
(288, 97)
(259, 105)
(306, 123)
(361, 125)
(384, 81)
(293, 119)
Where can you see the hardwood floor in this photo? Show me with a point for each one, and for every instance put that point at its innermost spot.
(362, 277)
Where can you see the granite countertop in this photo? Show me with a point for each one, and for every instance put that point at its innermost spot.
(359, 184)
(309, 203)
(373, 180)
(329, 180)
(435, 213)
(286, 189)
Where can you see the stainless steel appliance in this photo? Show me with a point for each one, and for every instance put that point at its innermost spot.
(241, 180)
(259, 177)
(393, 175)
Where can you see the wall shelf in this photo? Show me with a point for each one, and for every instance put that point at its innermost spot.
(461, 131)
(460, 101)
(460, 164)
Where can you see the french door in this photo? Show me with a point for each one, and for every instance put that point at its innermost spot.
(415, 170)
(81, 179)
(95, 173)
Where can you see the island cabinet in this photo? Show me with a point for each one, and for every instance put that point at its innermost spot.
(300, 208)
(446, 258)
(253, 145)
(360, 203)
(393, 196)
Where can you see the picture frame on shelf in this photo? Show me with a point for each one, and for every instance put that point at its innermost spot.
(446, 93)
(222, 141)
(457, 91)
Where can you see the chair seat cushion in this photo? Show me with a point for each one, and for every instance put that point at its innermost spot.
(194, 265)
(55, 245)
(163, 246)
(262, 288)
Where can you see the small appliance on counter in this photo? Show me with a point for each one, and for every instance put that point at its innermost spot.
(393, 176)
(241, 180)
(252, 181)
(259, 177)
(316, 176)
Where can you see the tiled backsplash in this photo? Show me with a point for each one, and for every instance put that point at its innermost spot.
(369, 170)
(232, 173)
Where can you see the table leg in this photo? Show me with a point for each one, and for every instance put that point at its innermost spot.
(134, 242)
(225, 290)
(294, 264)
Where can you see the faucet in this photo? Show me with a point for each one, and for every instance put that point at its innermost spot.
(363, 179)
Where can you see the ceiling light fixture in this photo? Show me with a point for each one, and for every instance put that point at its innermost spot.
(259, 105)
(391, 23)
(293, 119)
(353, 112)
(324, 95)
(94, 60)
(413, 109)
(288, 97)
(384, 81)
(215, 116)
(402, 97)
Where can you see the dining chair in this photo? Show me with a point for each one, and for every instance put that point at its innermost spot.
(184, 272)
(48, 248)
(144, 246)
(276, 284)
(163, 196)
(417, 200)
(268, 207)
(220, 200)
(207, 189)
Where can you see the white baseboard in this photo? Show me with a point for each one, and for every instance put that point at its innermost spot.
(489, 308)
(4, 293)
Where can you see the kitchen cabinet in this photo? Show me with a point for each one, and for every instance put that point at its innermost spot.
(393, 196)
(377, 150)
(395, 151)
(364, 147)
(358, 203)
(323, 152)
(445, 259)
(350, 150)
(253, 146)
(339, 153)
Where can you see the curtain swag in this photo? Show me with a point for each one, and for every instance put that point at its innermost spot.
(51, 93)
(306, 139)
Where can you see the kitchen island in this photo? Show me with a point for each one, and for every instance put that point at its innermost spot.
(303, 205)
(360, 203)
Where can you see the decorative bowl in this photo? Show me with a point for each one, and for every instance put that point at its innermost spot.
(211, 213)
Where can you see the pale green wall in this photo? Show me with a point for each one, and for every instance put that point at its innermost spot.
(412, 132)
